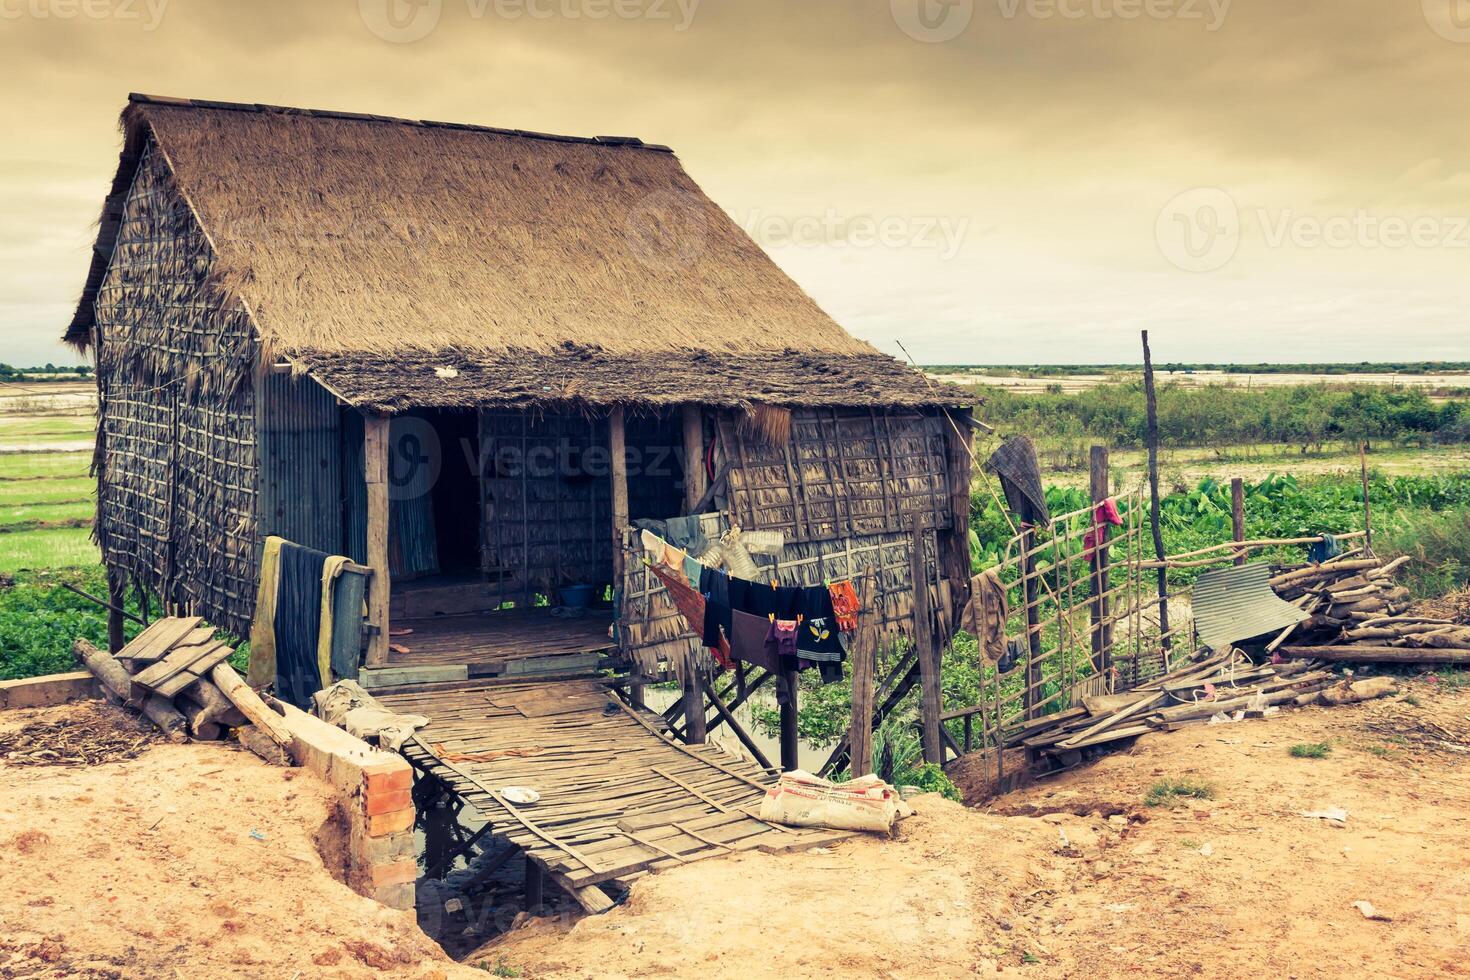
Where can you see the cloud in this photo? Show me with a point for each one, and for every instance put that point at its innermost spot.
(1054, 139)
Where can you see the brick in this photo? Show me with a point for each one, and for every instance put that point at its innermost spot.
(380, 824)
(384, 777)
(385, 802)
(400, 896)
(381, 850)
(394, 873)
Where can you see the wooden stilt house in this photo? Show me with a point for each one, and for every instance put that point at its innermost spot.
(468, 358)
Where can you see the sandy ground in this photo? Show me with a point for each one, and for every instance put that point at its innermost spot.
(154, 867)
(188, 861)
(1075, 876)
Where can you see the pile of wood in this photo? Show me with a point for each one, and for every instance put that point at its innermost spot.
(177, 673)
(1360, 614)
(1227, 685)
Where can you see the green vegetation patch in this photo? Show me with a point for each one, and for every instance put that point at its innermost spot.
(1168, 792)
(50, 548)
(61, 490)
(1310, 750)
(39, 620)
(75, 514)
(30, 466)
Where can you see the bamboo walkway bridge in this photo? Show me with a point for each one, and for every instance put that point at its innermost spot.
(619, 798)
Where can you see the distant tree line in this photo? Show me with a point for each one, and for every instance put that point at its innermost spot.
(1063, 370)
(1307, 415)
(10, 373)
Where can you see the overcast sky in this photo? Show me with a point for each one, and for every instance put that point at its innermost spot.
(992, 181)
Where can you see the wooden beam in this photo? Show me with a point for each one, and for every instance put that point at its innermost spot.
(694, 475)
(617, 444)
(1237, 515)
(860, 733)
(1151, 405)
(375, 443)
(929, 679)
(117, 596)
(1033, 621)
(695, 725)
(1102, 631)
(790, 680)
(1362, 653)
(728, 716)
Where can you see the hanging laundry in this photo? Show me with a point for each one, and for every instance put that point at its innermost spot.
(748, 640)
(818, 639)
(714, 585)
(781, 639)
(1103, 514)
(845, 605)
(297, 622)
(984, 616)
(262, 670)
(1020, 479)
(691, 606)
(1320, 551)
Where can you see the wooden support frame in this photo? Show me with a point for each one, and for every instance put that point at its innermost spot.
(928, 650)
(1237, 515)
(375, 445)
(617, 444)
(696, 724)
(860, 734)
(1102, 631)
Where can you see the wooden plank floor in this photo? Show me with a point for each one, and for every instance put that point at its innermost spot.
(618, 797)
(500, 637)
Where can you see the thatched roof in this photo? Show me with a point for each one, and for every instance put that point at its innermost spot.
(377, 252)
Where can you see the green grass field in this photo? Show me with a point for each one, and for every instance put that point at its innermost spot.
(38, 489)
(67, 547)
(44, 465)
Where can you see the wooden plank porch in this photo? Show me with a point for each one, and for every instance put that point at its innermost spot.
(618, 797)
(489, 642)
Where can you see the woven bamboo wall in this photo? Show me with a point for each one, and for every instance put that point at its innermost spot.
(177, 430)
(547, 501)
(844, 473)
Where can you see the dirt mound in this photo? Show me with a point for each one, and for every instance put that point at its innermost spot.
(188, 860)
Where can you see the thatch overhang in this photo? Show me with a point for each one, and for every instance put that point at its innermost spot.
(409, 263)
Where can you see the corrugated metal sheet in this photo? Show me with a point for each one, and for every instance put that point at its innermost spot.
(1232, 604)
(300, 463)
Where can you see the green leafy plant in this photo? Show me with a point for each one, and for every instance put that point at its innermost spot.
(1310, 750)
